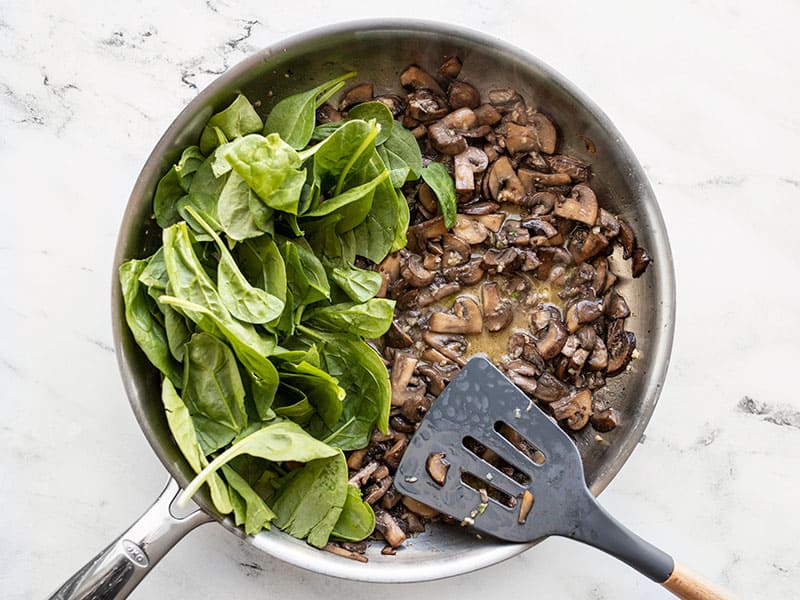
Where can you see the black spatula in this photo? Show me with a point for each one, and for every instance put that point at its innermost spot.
(486, 455)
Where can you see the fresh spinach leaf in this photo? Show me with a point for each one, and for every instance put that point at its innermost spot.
(398, 169)
(436, 176)
(370, 319)
(182, 428)
(262, 264)
(148, 333)
(359, 284)
(355, 194)
(190, 160)
(348, 149)
(325, 130)
(154, 274)
(402, 143)
(305, 275)
(178, 331)
(205, 181)
(245, 302)
(380, 113)
(310, 500)
(277, 442)
(205, 204)
(257, 515)
(237, 120)
(234, 209)
(213, 391)
(165, 201)
(357, 519)
(293, 117)
(271, 167)
(292, 403)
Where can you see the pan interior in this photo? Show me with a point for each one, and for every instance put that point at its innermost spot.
(379, 51)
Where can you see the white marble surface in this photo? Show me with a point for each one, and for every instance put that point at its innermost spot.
(707, 94)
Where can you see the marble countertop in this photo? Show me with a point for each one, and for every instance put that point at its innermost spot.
(706, 93)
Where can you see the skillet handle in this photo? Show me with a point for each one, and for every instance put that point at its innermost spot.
(117, 570)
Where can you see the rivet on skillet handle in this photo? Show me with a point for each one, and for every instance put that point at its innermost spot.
(117, 570)
(470, 406)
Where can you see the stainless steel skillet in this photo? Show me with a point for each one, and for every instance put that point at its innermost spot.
(379, 50)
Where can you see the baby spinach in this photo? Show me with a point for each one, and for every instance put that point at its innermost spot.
(436, 176)
(271, 167)
(237, 120)
(305, 275)
(310, 499)
(168, 192)
(262, 264)
(378, 112)
(236, 217)
(255, 515)
(187, 165)
(370, 319)
(357, 519)
(359, 284)
(402, 143)
(293, 117)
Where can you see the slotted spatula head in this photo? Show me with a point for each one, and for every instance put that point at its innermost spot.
(477, 405)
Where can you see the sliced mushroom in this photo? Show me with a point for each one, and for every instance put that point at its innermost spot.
(466, 318)
(608, 223)
(376, 491)
(504, 98)
(415, 410)
(468, 274)
(521, 138)
(497, 313)
(402, 371)
(523, 374)
(447, 133)
(465, 165)
(361, 92)
(641, 259)
(576, 169)
(415, 273)
(581, 205)
(599, 357)
(605, 420)
(456, 250)
(575, 409)
(437, 376)
(425, 106)
(540, 227)
(336, 549)
(328, 114)
(393, 455)
(437, 467)
(541, 318)
(470, 230)
(503, 183)
(450, 346)
(621, 345)
(546, 134)
(582, 312)
(492, 222)
(394, 103)
(549, 388)
(427, 198)
(480, 208)
(585, 243)
(397, 338)
(627, 239)
(390, 530)
(415, 506)
(541, 203)
(550, 343)
(487, 115)
(512, 233)
(450, 68)
(616, 307)
(363, 474)
(502, 261)
(415, 78)
(460, 94)
(533, 180)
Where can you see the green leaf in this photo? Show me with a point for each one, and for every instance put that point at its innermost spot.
(205, 181)
(380, 113)
(245, 302)
(293, 117)
(190, 161)
(310, 501)
(239, 119)
(154, 275)
(359, 284)
(233, 209)
(165, 201)
(436, 176)
(354, 194)
(278, 442)
(326, 130)
(270, 167)
(370, 319)
(305, 274)
(148, 333)
(357, 520)
(182, 428)
(213, 390)
(293, 404)
(262, 264)
(398, 169)
(402, 143)
(347, 150)
(202, 203)
(258, 515)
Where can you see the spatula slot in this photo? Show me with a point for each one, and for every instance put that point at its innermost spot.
(493, 458)
(520, 442)
(487, 491)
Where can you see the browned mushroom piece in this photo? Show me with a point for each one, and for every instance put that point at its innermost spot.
(533, 180)
(523, 374)
(438, 375)
(504, 97)
(360, 92)
(468, 274)
(376, 491)
(432, 228)
(391, 498)
(541, 228)
(424, 106)
(511, 233)
(389, 529)
(327, 113)
(541, 203)
(585, 243)
(492, 222)
(549, 388)
(415, 506)
(502, 261)
(402, 371)
(552, 340)
(503, 183)
(340, 551)
(497, 312)
(415, 273)
(434, 293)
(450, 68)
(616, 307)
(620, 344)
(608, 224)
(598, 360)
(575, 409)
(446, 134)
(415, 78)
(487, 115)
(470, 230)
(587, 337)
(466, 318)
(419, 131)
(450, 346)
(465, 164)
(397, 338)
(415, 410)
(546, 134)
(456, 250)
(582, 312)
(521, 138)
(394, 103)
(581, 205)
(541, 318)
(641, 259)
(569, 165)
(480, 208)
(393, 455)
(427, 199)
(627, 239)
(437, 467)
(461, 94)
(605, 420)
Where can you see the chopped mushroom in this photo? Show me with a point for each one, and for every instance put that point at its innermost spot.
(549, 388)
(450, 68)
(605, 420)
(448, 345)
(581, 312)
(402, 371)
(456, 251)
(460, 94)
(552, 341)
(497, 313)
(447, 133)
(415, 78)
(574, 409)
(415, 506)
(361, 92)
(581, 205)
(415, 273)
(470, 230)
(503, 183)
(640, 261)
(466, 318)
(385, 523)
(465, 165)
(621, 345)
(425, 106)
(437, 467)
(546, 134)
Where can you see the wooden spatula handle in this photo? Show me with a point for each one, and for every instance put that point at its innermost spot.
(690, 586)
